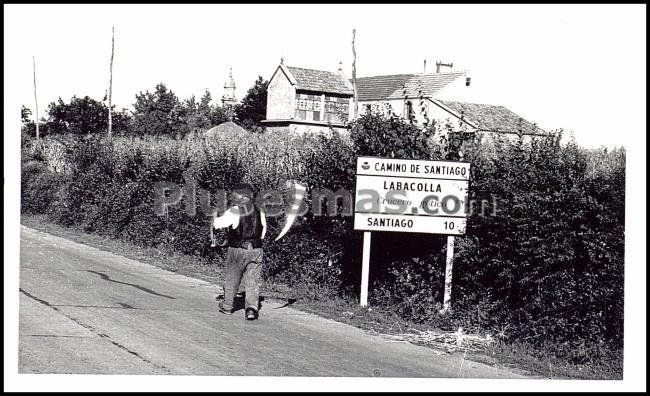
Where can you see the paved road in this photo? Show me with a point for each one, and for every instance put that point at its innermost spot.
(84, 310)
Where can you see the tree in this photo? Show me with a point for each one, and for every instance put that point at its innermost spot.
(195, 116)
(158, 113)
(199, 117)
(380, 135)
(162, 113)
(214, 114)
(252, 109)
(82, 116)
(25, 113)
(28, 128)
(204, 110)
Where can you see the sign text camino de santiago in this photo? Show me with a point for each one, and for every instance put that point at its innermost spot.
(410, 196)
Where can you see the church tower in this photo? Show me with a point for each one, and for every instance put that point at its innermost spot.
(228, 98)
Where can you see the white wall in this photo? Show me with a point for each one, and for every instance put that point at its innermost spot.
(307, 129)
(433, 111)
(280, 98)
(457, 91)
(396, 106)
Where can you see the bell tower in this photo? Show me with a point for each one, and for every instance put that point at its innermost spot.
(228, 98)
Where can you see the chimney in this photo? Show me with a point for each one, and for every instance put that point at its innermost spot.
(425, 67)
(439, 64)
(341, 67)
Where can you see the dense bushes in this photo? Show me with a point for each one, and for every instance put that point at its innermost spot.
(543, 263)
(38, 188)
(549, 262)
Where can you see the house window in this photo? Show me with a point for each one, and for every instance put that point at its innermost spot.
(408, 110)
(337, 109)
(301, 114)
(308, 102)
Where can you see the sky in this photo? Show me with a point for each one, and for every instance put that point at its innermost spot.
(577, 67)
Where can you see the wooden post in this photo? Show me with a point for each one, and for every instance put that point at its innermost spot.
(213, 240)
(110, 86)
(35, 99)
(446, 305)
(365, 269)
(354, 76)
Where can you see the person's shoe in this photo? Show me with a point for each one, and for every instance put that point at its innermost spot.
(251, 314)
(224, 310)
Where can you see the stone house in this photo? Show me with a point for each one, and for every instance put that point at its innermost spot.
(426, 97)
(307, 100)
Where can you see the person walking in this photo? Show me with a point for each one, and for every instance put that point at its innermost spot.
(246, 229)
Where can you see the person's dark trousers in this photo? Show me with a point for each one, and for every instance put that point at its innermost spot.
(242, 265)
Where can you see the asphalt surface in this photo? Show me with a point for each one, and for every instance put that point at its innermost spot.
(87, 311)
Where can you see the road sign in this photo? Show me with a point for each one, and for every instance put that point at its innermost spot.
(392, 167)
(402, 195)
(411, 196)
(403, 223)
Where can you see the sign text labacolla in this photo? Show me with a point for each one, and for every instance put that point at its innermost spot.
(411, 196)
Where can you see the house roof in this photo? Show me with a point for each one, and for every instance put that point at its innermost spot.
(491, 118)
(227, 127)
(394, 86)
(319, 80)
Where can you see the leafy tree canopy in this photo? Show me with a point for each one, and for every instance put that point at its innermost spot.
(81, 116)
(162, 113)
(252, 109)
(157, 113)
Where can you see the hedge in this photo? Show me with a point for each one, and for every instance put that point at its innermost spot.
(545, 265)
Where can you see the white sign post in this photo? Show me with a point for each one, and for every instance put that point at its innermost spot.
(402, 195)
(365, 269)
(449, 266)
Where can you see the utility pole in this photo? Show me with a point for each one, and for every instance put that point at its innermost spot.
(35, 99)
(110, 86)
(354, 76)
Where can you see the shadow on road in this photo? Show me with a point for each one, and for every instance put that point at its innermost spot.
(240, 301)
(144, 289)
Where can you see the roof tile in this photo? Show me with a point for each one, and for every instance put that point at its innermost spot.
(492, 118)
(397, 86)
(227, 127)
(319, 81)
